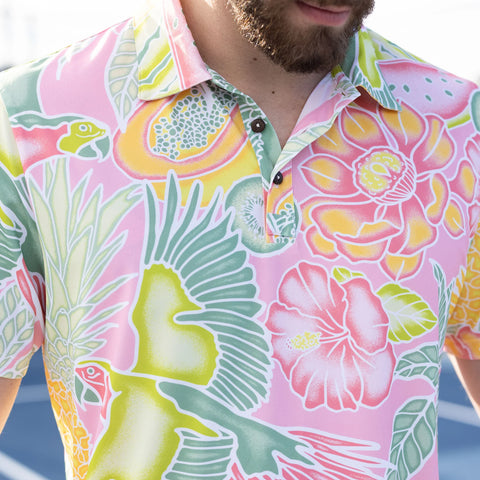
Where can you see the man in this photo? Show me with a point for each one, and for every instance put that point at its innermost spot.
(237, 243)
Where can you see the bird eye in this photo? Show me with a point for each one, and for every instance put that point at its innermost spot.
(90, 370)
(83, 128)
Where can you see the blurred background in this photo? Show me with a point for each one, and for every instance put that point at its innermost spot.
(442, 32)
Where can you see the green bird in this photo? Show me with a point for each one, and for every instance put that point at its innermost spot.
(195, 304)
(147, 412)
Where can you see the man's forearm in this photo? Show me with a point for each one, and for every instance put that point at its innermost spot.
(8, 392)
(469, 373)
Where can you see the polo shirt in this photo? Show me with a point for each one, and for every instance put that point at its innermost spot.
(214, 306)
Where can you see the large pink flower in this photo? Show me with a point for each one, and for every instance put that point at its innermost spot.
(383, 190)
(331, 339)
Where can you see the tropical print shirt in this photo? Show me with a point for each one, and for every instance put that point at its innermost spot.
(211, 305)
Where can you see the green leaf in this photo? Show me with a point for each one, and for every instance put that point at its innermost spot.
(78, 314)
(45, 224)
(444, 296)
(74, 266)
(31, 120)
(93, 344)
(89, 215)
(409, 314)
(11, 239)
(104, 314)
(81, 243)
(342, 274)
(59, 195)
(21, 366)
(8, 332)
(413, 439)
(122, 77)
(475, 103)
(420, 363)
(15, 348)
(99, 261)
(16, 328)
(109, 288)
(113, 210)
(76, 198)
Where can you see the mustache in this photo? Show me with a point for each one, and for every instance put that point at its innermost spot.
(353, 4)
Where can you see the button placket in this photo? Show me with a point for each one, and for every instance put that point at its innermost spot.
(258, 125)
(279, 208)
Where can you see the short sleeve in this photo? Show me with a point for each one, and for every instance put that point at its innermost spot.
(22, 286)
(463, 330)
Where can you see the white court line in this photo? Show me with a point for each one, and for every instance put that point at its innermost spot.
(458, 413)
(14, 470)
(32, 394)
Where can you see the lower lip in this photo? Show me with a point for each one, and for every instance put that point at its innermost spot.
(323, 16)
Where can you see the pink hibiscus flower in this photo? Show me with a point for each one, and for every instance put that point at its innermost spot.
(331, 339)
(383, 189)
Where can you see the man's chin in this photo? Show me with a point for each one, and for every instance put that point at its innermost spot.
(319, 59)
(306, 66)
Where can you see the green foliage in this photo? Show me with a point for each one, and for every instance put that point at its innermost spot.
(79, 243)
(20, 235)
(413, 440)
(17, 329)
(342, 274)
(409, 314)
(424, 362)
(31, 120)
(444, 296)
(122, 76)
(475, 105)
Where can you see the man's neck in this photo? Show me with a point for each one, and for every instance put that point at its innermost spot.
(281, 95)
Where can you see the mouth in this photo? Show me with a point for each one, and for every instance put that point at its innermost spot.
(329, 15)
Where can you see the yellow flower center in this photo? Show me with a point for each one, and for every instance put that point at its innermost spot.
(304, 341)
(385, 176)
(377, 173)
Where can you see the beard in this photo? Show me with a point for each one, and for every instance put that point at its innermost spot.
(316, 48)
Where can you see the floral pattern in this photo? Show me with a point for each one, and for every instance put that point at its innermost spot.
(331, 339)
(388, 205)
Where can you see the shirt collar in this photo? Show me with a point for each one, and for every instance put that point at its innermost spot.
(170, 63)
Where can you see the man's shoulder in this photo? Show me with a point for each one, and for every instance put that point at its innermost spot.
(413, 81)
(72, 67)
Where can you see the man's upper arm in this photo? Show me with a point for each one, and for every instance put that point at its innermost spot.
(17, 279)
(8, 392)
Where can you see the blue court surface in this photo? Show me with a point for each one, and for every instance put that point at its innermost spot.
(30, 447)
